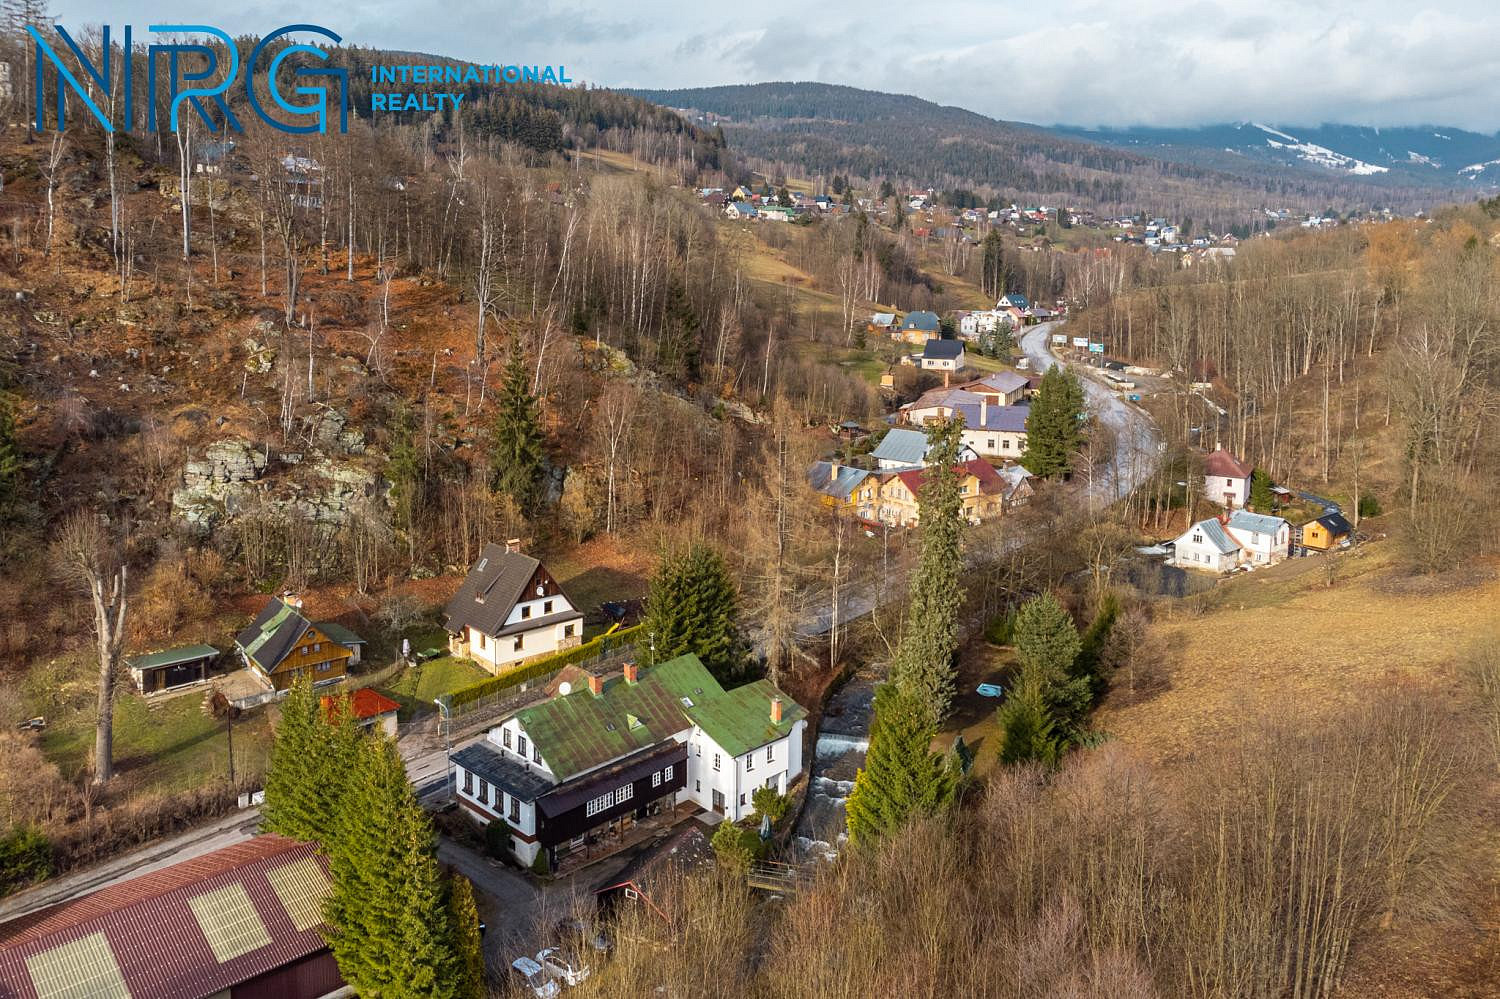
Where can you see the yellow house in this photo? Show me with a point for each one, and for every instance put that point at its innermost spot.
(1327, 532)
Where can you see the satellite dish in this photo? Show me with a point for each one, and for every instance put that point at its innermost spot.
(565, 688)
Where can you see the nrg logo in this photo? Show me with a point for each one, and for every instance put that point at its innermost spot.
(221, 56)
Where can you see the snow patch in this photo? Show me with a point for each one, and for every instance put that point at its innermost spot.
(1413, 156)
(1479, 167)
(1319, 155)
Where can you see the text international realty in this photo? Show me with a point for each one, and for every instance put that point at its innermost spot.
(462, 74)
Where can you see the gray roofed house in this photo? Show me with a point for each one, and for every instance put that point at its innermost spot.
(921, 322)
(282, 644)
(835, 481)
(508, 609)
(901, 449)
(1007, 387)
(1206, 545)
(942, 355)
(1010, 419)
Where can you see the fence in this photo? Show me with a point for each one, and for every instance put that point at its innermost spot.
(498, 693)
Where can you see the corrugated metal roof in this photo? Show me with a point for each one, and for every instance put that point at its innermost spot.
(739, 720)
(1256, 523)
(1213, 532)
(909, 447)
(820, 476)
(1007, 419)
(186, 932)
(174, 657)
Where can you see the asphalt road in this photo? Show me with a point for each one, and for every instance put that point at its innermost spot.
(1137, 441)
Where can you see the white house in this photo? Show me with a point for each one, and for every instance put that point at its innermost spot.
(943, 355)
(901, 449)
(740, 210)
(509, 609)
(589, 763)
(1226, 479)
(995, 431)
(1206, 545)
(1263, 539)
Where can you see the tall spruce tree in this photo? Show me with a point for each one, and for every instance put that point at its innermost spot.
(1046, 639)
(902, 778)
(517, 459)
(10, 461)
(680, 350)
(1028, 733)
(923, 663)
(1054, 432)
(693, 607)
(1261, 497)
(1050, 699)
(469, 946)
(992, 273)
(390, 923)
(311, 758)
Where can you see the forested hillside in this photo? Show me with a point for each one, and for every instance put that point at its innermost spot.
(812, 129)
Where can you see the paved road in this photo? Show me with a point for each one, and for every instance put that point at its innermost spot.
(1137, 441)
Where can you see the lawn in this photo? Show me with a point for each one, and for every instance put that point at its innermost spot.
(167, 744)
(417, 686)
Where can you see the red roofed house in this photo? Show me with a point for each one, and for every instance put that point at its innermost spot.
(984, 492)
(243, 922)
(371, 709)
(1226, 479)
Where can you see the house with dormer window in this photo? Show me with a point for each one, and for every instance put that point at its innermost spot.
(510, 609)
(594, 759)
(282, 645)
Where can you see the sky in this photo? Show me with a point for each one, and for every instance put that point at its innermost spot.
(1079, 62)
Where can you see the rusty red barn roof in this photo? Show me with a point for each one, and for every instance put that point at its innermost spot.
(365, 703)
(189, 931)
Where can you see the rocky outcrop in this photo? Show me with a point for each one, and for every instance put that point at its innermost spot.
(218, 484)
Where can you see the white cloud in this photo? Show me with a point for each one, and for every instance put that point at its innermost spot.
(1088, 62)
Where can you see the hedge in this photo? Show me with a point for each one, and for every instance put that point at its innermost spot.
(492, 685)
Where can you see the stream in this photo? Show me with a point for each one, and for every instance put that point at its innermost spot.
(843, 738)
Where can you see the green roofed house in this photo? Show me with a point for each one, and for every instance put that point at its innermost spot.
(172, 669)
(591, 761)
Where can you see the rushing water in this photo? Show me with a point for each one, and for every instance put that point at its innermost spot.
(843, 738)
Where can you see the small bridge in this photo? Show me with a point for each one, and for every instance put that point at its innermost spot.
(774, 876)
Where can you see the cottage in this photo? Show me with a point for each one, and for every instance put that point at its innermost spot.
(1004, 388)
(900, 449)
(172, 669)
(943, 355)
(1263, 539)
(836, 483)
(1226, 479)
(919, 327)
(245, 920)
(593, 761)
(740, 210)
(510, 609)
(936, 405)
(884, 323)
(1205, 545)
(1014, 300)
(282, 645)
(1326, 532)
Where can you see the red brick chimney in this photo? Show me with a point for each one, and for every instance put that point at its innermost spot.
(632, 672)
(596, 685)
(775, 711)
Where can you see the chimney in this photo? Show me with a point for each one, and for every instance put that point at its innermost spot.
(513, 546)
(596, 685)
(984, 411)
(291, 599)
(775, 711)
(632, 672)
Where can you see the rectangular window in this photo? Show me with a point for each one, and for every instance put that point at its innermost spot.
(698, 786)
(567, 631)
(656, 779)
(716, 761)
(468, 783)
(742, 801)
(770, 753)
(749, 761)
(536, 754)
(519, 643)
(515, 809)
(625, 793)
(546, 607)
(666, 774)
(324, 667)
(505, 737)
(484, 790)
(521, 746)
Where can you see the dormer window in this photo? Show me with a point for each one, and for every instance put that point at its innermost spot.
(525, 611)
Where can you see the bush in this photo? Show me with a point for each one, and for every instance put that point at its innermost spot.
(542, 667)
(768, 802)
(1001, 631)
(539, 865)
(735, 846)
(497, 840)
(1369, 505)
(25, 858)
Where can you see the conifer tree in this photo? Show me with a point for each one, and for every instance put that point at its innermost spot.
(680, 350)
(1047, 704)
(10, 460)
(311, 756)
(1054, 432)
(403, 468)
(390, 923)
(516, 456)
(902, 778)
(1046, 639)
(923, 663)
(693, 607)
(468, 945)
(1028, 732)
(1261, 497)
(992, 273)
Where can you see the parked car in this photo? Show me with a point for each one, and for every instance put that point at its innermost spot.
(533, 979)
(562, 967)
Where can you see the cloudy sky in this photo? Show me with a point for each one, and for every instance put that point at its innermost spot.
(1085, 62)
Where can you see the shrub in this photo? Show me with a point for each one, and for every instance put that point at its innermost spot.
(539, 865)
(770, 803)
(25, 857)
(497, 840)
(1369, 505)
(1001, 630)
(735, 846)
